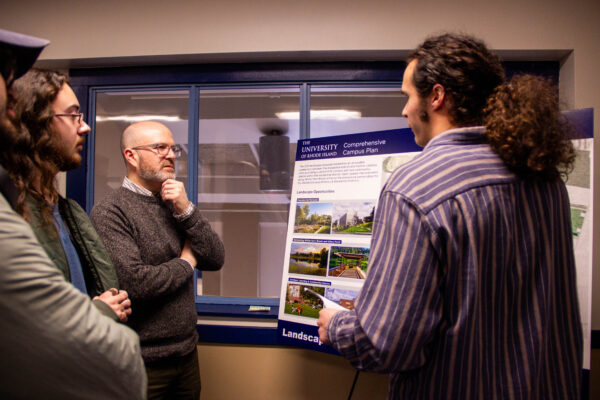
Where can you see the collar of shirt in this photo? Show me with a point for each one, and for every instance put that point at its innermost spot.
(128, 184)
(471, 134)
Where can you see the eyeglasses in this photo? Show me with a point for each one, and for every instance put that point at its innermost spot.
(77, 117)
(161, 149)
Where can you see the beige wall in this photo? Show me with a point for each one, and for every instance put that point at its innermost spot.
(111, 32)
(282, 373)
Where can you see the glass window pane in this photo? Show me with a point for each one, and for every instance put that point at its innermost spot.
(117, 110)
(342, 111)
(246, 157)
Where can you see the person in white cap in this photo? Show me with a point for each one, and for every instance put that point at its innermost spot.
(54, 343)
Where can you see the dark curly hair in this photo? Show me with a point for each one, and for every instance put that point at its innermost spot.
(466, 69)
(526, 129)
(31, 159)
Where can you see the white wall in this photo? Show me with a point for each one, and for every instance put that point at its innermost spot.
(111, 32)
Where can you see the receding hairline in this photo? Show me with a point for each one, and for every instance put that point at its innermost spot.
(131, 134)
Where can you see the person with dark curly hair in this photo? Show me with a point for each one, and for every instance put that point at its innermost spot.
(51, 135)
(526, 129)
(471, 291)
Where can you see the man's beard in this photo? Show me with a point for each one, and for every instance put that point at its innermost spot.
(423, 114)
(64, 159)
(151, 175)
(66, 164)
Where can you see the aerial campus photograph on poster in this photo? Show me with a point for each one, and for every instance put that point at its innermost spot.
(309, 259)
(348, 262)
(353, 217)
(313, 218)
(307, 301)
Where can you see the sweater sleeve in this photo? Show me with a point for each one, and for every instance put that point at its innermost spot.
(399, 307)
(142, 281)
(206, 244)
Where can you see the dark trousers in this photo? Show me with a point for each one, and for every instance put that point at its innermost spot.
(174, 378)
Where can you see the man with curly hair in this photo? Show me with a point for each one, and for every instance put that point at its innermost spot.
(471, 291)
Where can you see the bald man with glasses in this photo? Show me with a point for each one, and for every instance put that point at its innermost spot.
(156, 237)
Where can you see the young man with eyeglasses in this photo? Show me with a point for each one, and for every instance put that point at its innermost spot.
(52, 123)
(54, 342)
(156, 237)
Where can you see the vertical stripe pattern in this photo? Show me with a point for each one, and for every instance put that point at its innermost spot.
(470, 291)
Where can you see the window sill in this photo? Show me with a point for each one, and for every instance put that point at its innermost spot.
(229, 320)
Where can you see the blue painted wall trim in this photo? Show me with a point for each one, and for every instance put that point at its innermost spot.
(237, 335)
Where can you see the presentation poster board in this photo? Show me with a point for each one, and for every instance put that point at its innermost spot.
(580, 188)
(336, 186)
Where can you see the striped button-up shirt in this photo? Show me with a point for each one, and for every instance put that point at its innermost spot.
(470, 291)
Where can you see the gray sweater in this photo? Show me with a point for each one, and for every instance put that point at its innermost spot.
(144, 241)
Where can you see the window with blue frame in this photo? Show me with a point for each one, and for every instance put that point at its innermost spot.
(246, 148)
(240, 173)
